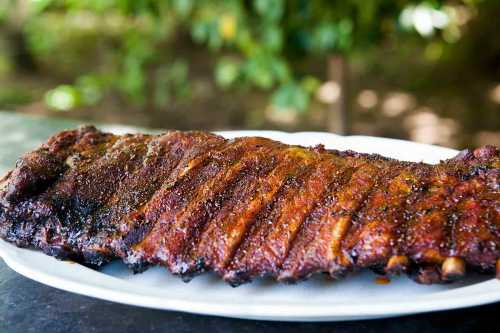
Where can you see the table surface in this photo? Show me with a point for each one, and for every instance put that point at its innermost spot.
(28, 306)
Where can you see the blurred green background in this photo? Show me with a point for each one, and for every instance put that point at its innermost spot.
(427, 71)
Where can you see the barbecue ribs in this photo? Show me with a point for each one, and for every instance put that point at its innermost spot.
(250, 207)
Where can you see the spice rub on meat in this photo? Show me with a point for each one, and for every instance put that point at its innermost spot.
(251, 207)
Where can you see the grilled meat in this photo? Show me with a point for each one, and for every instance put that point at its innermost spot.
(250, 207)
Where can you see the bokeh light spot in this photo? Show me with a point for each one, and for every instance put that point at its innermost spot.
(367, 99)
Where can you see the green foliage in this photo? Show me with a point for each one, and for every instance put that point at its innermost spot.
(12, 97)
(128, 47)
(291, 95)
(227, 72)
(170, 82)
(63, 98)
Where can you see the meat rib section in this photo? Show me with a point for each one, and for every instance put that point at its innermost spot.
(251, 207)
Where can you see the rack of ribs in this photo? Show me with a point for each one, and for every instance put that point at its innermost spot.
(251, 207)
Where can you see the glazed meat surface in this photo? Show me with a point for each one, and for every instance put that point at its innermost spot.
(252, 207)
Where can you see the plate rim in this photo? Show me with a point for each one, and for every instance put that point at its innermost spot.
(277, 311)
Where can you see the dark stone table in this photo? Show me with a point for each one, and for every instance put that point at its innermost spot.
(28, 306)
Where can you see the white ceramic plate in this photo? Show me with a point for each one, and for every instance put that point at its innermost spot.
(356, 297)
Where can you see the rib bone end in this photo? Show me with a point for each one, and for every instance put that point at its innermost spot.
(428, 275)
(3, 180)
(453, 268)
(397, 264)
